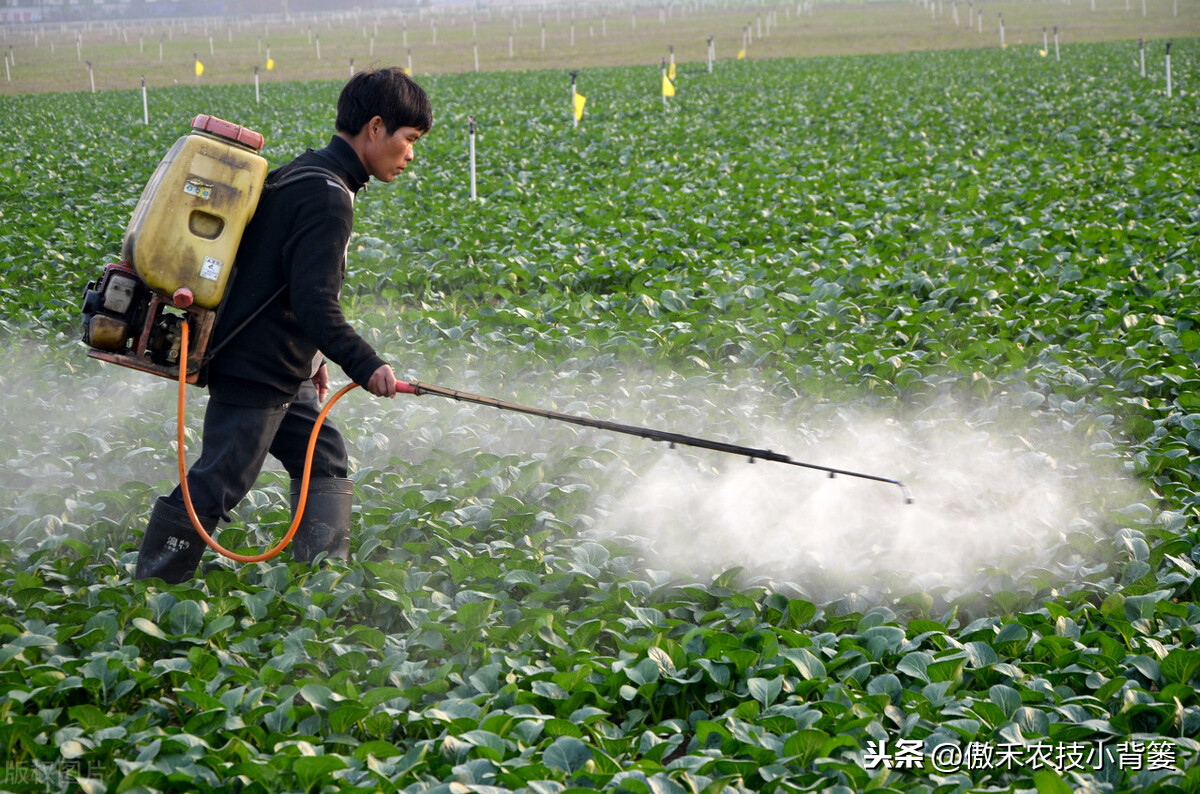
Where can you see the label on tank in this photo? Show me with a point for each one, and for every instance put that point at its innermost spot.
(211, 269)
(198, 189)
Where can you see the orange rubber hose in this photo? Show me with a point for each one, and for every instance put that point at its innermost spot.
(183, 483)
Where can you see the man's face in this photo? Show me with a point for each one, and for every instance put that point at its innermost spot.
(387, 155)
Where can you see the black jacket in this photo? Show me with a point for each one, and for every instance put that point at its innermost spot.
(298, 237)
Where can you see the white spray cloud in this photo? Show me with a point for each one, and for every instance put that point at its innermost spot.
(990, 502)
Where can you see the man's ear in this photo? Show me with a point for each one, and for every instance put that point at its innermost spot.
(376, 126)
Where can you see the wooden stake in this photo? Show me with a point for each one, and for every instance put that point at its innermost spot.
(471, 123)
(1168, 70)
(145, 105)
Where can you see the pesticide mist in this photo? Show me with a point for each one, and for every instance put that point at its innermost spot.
(994, 505)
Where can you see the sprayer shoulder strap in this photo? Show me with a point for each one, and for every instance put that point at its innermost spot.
(307, 172)
(303, 172)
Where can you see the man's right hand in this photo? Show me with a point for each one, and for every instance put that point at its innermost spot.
(382, 382)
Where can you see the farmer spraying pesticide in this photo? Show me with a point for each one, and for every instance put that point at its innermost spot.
(264, 328)
(279, 322)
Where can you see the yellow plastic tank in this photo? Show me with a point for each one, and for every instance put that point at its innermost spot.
(187, 225)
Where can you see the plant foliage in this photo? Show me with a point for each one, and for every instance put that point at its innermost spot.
(1014, 235)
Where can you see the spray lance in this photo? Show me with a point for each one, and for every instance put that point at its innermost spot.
(417, 388)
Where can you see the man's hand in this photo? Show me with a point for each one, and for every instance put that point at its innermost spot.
(382, 382)
(320, 381)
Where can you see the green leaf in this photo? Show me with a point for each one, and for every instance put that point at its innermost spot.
(644, 672)
(1047, 781)
(312, 770)
(149, 628)
(808, 665)
(1180, 666)
(568, 754)
(1032, 721)
(916, 664)
(319, 695)
(186, 618)
(764, 690)
(806, 745)
(1006, 698)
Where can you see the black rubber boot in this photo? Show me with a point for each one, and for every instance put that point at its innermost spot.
(171, 548)
(325, 525)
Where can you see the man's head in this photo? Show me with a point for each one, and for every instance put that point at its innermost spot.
(381, 114)
(388, 93)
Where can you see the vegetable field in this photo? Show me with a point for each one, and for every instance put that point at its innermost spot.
(974, 271)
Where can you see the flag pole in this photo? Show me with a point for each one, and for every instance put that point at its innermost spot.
(574, 115)
(145, 104)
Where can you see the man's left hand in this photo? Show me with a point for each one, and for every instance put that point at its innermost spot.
(321, 382)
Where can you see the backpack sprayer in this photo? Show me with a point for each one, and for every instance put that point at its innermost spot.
(178, 251)
(178, 257)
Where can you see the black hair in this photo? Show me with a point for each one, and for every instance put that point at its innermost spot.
(388, 93)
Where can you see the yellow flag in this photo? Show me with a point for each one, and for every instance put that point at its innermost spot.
(270, 64)
(671, 70)
(199, 68)
(580, 101)
(408, 71)
(668, 86)
(741, 55)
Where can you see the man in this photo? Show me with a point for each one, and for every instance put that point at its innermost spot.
(279, 320)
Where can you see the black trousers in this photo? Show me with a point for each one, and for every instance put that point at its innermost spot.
(237, 439)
